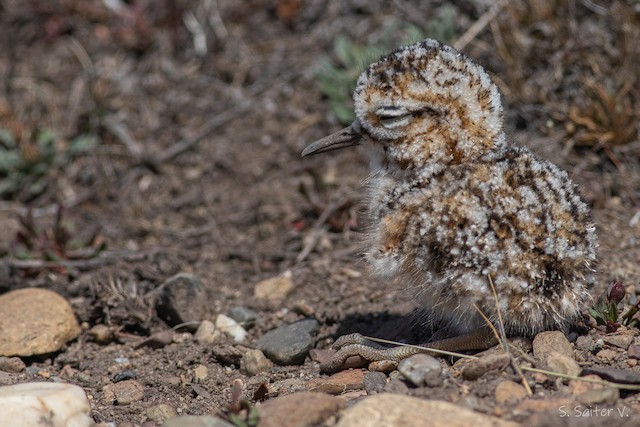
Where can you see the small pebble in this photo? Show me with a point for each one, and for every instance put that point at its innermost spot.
(492, 362)
(161, 413)
(182, 299)
(274, 290)
(254, 362)
(509, 392)
(385, 366)
(196, 421)
(200, 373)
(634, 351)
(599, 396)
(558, 362)
(374, 382)
(206, 333)
(289, 344)
(421, 369)
(622, 341)
(230, 327)
(102, 334)
(246, 317)
(546, 342)
(12, 364)
(123, 393)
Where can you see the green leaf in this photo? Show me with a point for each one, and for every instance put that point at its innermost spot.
(82, 144)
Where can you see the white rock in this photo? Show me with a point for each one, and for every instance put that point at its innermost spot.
(231, 327)
(40, 404)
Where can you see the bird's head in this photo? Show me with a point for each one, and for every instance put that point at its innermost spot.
(422, 104)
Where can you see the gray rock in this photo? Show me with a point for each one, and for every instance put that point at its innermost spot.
(421, 369)
(196, 421)
(182, 299)
(374, 382)
(289, 344)
(246, 317)
(624, 376)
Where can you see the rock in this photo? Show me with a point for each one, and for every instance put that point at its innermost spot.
(543, 405)
(228, 326)
(622, 341)
(304, 409)
(289, 344)
(607, 355)
(196, 421)
(288, 386)
(599, 396)
(35, 321)
(182, 299)
(509, 392)
(421, 369)
(585, 343)
(161, 413)
(123, 393)
(338, 383)
(624, 376)
(102, 334)
(385, 366)
(558, 362)
(274, 290)
(387, 410)
(246, 317)
(206, 333)
(577, 386)
(546, 342)
(634, 351)
(254, 361)
(39, 404)
(12, 364)
(200, 373)
(491, 362)
(374, 382)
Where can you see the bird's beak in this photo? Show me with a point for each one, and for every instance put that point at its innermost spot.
(347, 137)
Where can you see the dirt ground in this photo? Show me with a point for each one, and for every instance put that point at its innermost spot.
(197, 113)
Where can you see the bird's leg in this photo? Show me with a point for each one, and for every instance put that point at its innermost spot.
(356, 345)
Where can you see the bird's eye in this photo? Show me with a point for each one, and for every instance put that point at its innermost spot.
(393, 117)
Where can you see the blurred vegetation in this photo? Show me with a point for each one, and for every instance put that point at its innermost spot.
(58, 241)
(579, 61)
(26, 165)
(337, 74)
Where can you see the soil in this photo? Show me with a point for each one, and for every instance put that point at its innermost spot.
(197, 169)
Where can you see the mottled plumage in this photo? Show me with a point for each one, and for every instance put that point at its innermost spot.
(452, 201)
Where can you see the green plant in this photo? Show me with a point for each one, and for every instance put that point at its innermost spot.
(25, 164)
(606, 310)
(337, 75)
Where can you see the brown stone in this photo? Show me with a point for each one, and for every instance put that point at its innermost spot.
(304, 409)
(396, 410)
(35, 321)
(352, 379)
(509, 392)
(123, 393)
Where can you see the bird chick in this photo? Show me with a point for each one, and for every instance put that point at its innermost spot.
(455, 206)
